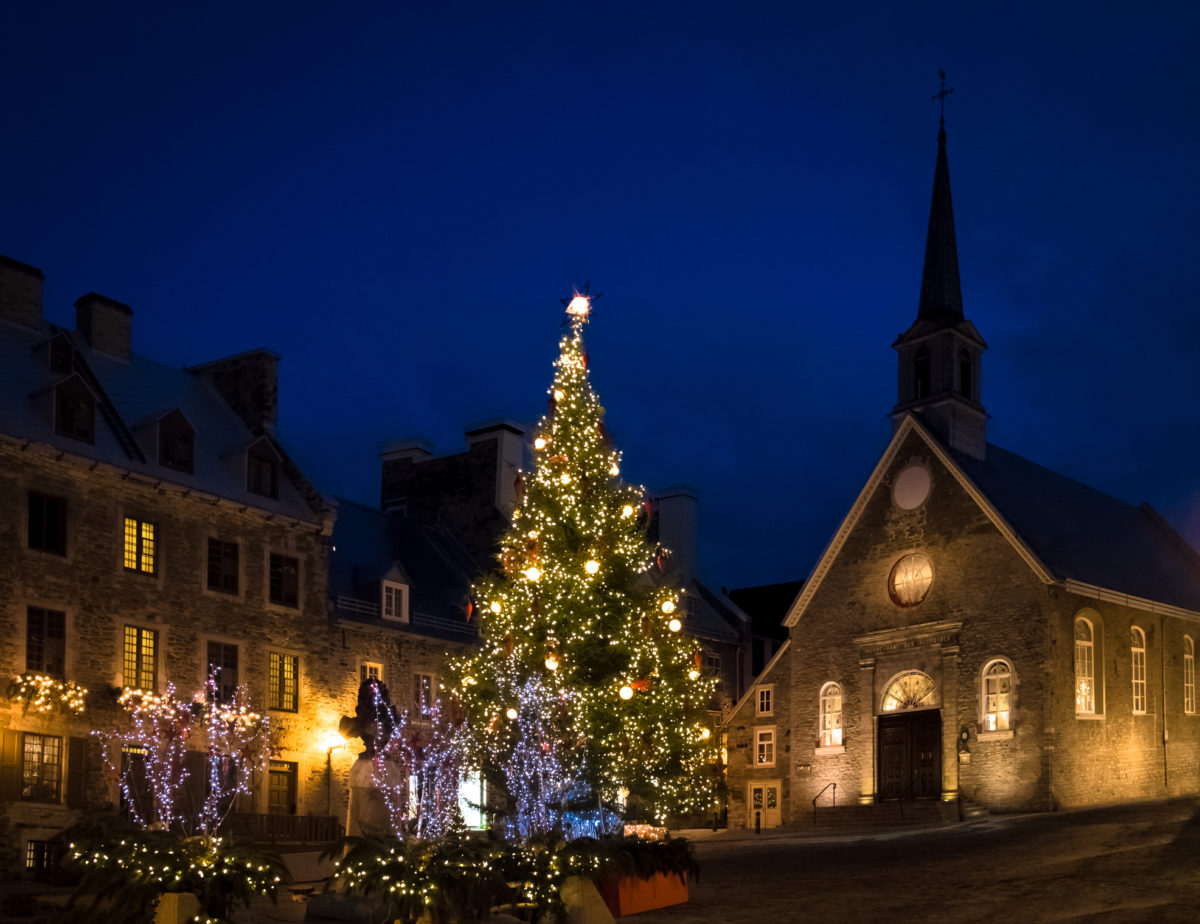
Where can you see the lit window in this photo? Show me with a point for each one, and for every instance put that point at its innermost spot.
(910, 579)
(1189, 675)
(39, 857)
(765, 697)
(369, 670)
(41, 768)
(284, 682)
(281, 790)
(472, 801)
(223, 665)
(997, 696)
(394, 601)
(423, 693)
(285, 580)
(831, 715)
(223, 566)
(764, 747)
(1137, 658)
(1085, 688)
(45, 642)
(911, 690)
(139, 546)
(141, 654)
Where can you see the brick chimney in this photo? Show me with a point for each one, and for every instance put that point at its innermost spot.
(679, 526)
(249, 382)
(20, 293)
(105, 323)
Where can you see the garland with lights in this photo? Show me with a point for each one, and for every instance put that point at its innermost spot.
(579, 602)
(42, 694)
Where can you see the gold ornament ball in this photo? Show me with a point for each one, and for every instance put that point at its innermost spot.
(592, 566)
(626, 692)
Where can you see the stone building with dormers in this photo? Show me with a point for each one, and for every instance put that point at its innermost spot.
(979, 629)
(152, 525)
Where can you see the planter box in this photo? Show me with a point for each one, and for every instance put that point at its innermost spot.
(630, 894)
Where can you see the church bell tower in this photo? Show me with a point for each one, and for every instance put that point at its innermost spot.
(940, 354)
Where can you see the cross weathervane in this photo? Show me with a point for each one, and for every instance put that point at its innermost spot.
(941, 95)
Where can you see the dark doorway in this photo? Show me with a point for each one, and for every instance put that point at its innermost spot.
(910, 755)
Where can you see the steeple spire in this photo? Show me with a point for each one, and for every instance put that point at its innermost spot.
(941, 293)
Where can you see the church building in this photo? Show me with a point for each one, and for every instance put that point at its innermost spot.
(980, 629)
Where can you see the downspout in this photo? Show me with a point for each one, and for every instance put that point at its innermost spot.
(1162, 676)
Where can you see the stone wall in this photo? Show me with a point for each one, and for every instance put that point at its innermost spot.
(740, 730)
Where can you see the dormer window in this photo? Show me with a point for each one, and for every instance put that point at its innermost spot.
(60, 352)
(75, 410)
(395, 601)
(262, 470)
(922, 374)
(176, 442)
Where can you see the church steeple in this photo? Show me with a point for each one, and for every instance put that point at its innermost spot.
(940, 355)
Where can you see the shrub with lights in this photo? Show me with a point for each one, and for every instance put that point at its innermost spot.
(169, 839)
(579, 605)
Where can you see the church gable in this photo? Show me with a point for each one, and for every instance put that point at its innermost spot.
(897, 548)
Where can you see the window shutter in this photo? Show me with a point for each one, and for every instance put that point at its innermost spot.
(10, 766)
(77, 772)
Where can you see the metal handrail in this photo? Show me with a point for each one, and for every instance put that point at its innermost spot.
(818, 796)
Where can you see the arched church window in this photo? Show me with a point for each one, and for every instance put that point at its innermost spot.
(922, 374)
(965, 382)
(997, 696)
(1085, 684)
(1189, 675)
(831, 715)
(911, 690)
(1137, 659)
(910, 579)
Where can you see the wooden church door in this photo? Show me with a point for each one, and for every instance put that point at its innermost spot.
(910, 756)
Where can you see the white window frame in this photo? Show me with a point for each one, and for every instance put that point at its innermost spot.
(1189, 675)
(365, 668)
(764, 745)
(986, 728)
(829, 736)
(387, 608)
(1137, 673)
(766, 696)
(1085, 668)
(419, 710)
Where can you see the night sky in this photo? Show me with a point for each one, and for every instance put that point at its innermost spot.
(394, 198)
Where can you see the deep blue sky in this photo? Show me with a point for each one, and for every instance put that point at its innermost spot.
(394, 197)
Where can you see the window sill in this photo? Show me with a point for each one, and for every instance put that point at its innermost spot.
(830, 751)
(1002, 735)
(764, 715)
(1090, 716)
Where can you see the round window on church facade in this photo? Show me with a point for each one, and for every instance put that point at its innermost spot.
(911, 487)
(910, 580)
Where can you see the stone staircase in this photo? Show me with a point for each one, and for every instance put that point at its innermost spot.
(890, 815)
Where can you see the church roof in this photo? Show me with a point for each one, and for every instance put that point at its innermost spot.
(1084, 535)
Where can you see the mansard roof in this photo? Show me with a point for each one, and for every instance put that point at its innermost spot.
(130, 391)
(367, 544)
(1069, 534)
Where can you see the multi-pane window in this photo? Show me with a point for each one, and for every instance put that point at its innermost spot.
(370, 670)
(140, 548)
(284, 682)
(1137, 659)
(422, 693)
(45, 642)
(1085, 688)
(223, 566)
(141, 654)
(75, 411)
(41, 767)
(223, 667)
(764, 747)
(262, 472)
(997, 696)
(393, 602)
(40, 857)
(765, 698)
(1189, 675)
(176, 442)
(284, 580)
(48, 523)
(831, 716)
(281, 788)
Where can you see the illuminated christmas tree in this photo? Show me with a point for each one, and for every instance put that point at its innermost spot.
(579, 603)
